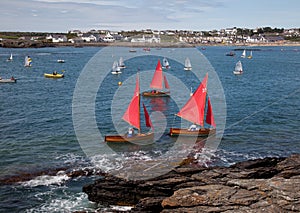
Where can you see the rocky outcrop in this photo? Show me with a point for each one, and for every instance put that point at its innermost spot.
(11, 43)
(262, 185)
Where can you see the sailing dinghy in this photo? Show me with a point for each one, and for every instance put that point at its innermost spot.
(238, 70)
(121, 63)
(28, 61)
(243, 54)
(194, 111)
(115, 68)
(250, 56)
(10, 58)
(132, 117)
(166, 64)
(187, 64)
(158, 83)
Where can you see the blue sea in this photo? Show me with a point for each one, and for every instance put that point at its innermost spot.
(41, 119)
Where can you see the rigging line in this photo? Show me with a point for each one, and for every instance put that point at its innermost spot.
(262, 109)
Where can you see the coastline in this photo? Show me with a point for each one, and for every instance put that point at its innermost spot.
(268, 184)
(40, 44)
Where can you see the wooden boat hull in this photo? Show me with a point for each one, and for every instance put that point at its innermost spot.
(156, 94)
(47, 75)
(8, 80)
(135, 138)
(204, 132)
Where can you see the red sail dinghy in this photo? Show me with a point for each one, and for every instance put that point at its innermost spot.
(194, 111)
(132, 117)
(158, 83)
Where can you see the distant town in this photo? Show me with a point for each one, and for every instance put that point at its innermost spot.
(228, 36)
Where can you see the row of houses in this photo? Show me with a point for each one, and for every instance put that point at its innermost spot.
(228, 36)
(88, 37)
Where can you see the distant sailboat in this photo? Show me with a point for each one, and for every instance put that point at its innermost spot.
(158, 83)
(238, 70)
(250, 56)
(166, 64)
(132, 117)
(121, 63)
(115, 68)
(187, 64)
(10, 58)
(194, 111)
(28, 61)
(243, 54)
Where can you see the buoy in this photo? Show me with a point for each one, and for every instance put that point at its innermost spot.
(119, 83)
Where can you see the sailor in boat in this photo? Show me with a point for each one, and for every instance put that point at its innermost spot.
(193, 127)
(130, 132)
(12, 78)
(54, 73)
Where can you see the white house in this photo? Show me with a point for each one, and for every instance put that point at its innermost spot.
(144, 39)
(86, 37)
(57, 38)
(108, 38)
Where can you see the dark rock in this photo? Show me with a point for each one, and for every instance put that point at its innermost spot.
(262, 185)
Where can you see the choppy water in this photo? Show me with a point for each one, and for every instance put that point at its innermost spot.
(37, 134)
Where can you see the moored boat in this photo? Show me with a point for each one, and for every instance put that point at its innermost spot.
(8, 80)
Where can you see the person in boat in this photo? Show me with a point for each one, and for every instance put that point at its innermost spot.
(130, 132)
(193, 127)
(54, 73)
(12, 78)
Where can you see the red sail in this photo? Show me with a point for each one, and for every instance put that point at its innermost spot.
(132, 114)
(157, 79)
(210, 115)
(147, 117)
(193, 110)
(166, 83)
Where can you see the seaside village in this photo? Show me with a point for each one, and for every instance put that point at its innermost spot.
(229, 36)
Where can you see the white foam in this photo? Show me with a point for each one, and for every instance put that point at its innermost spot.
(67, 203)
(46, 180)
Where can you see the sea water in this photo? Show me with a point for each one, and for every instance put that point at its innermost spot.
(39, 147)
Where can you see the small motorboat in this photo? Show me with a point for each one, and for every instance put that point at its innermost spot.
(9, 80)
(60, 61)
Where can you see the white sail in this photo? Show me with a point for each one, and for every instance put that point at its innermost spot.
(243, 54)
(187, 64)
(250, 56)
(238, 68)
(115, 68)
(28, 61)
(166, 63)
(121, 63)
(10, 57)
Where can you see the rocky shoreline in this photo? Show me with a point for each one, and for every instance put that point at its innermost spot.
(261, 185)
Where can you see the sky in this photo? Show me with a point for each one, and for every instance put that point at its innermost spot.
(116, 15)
